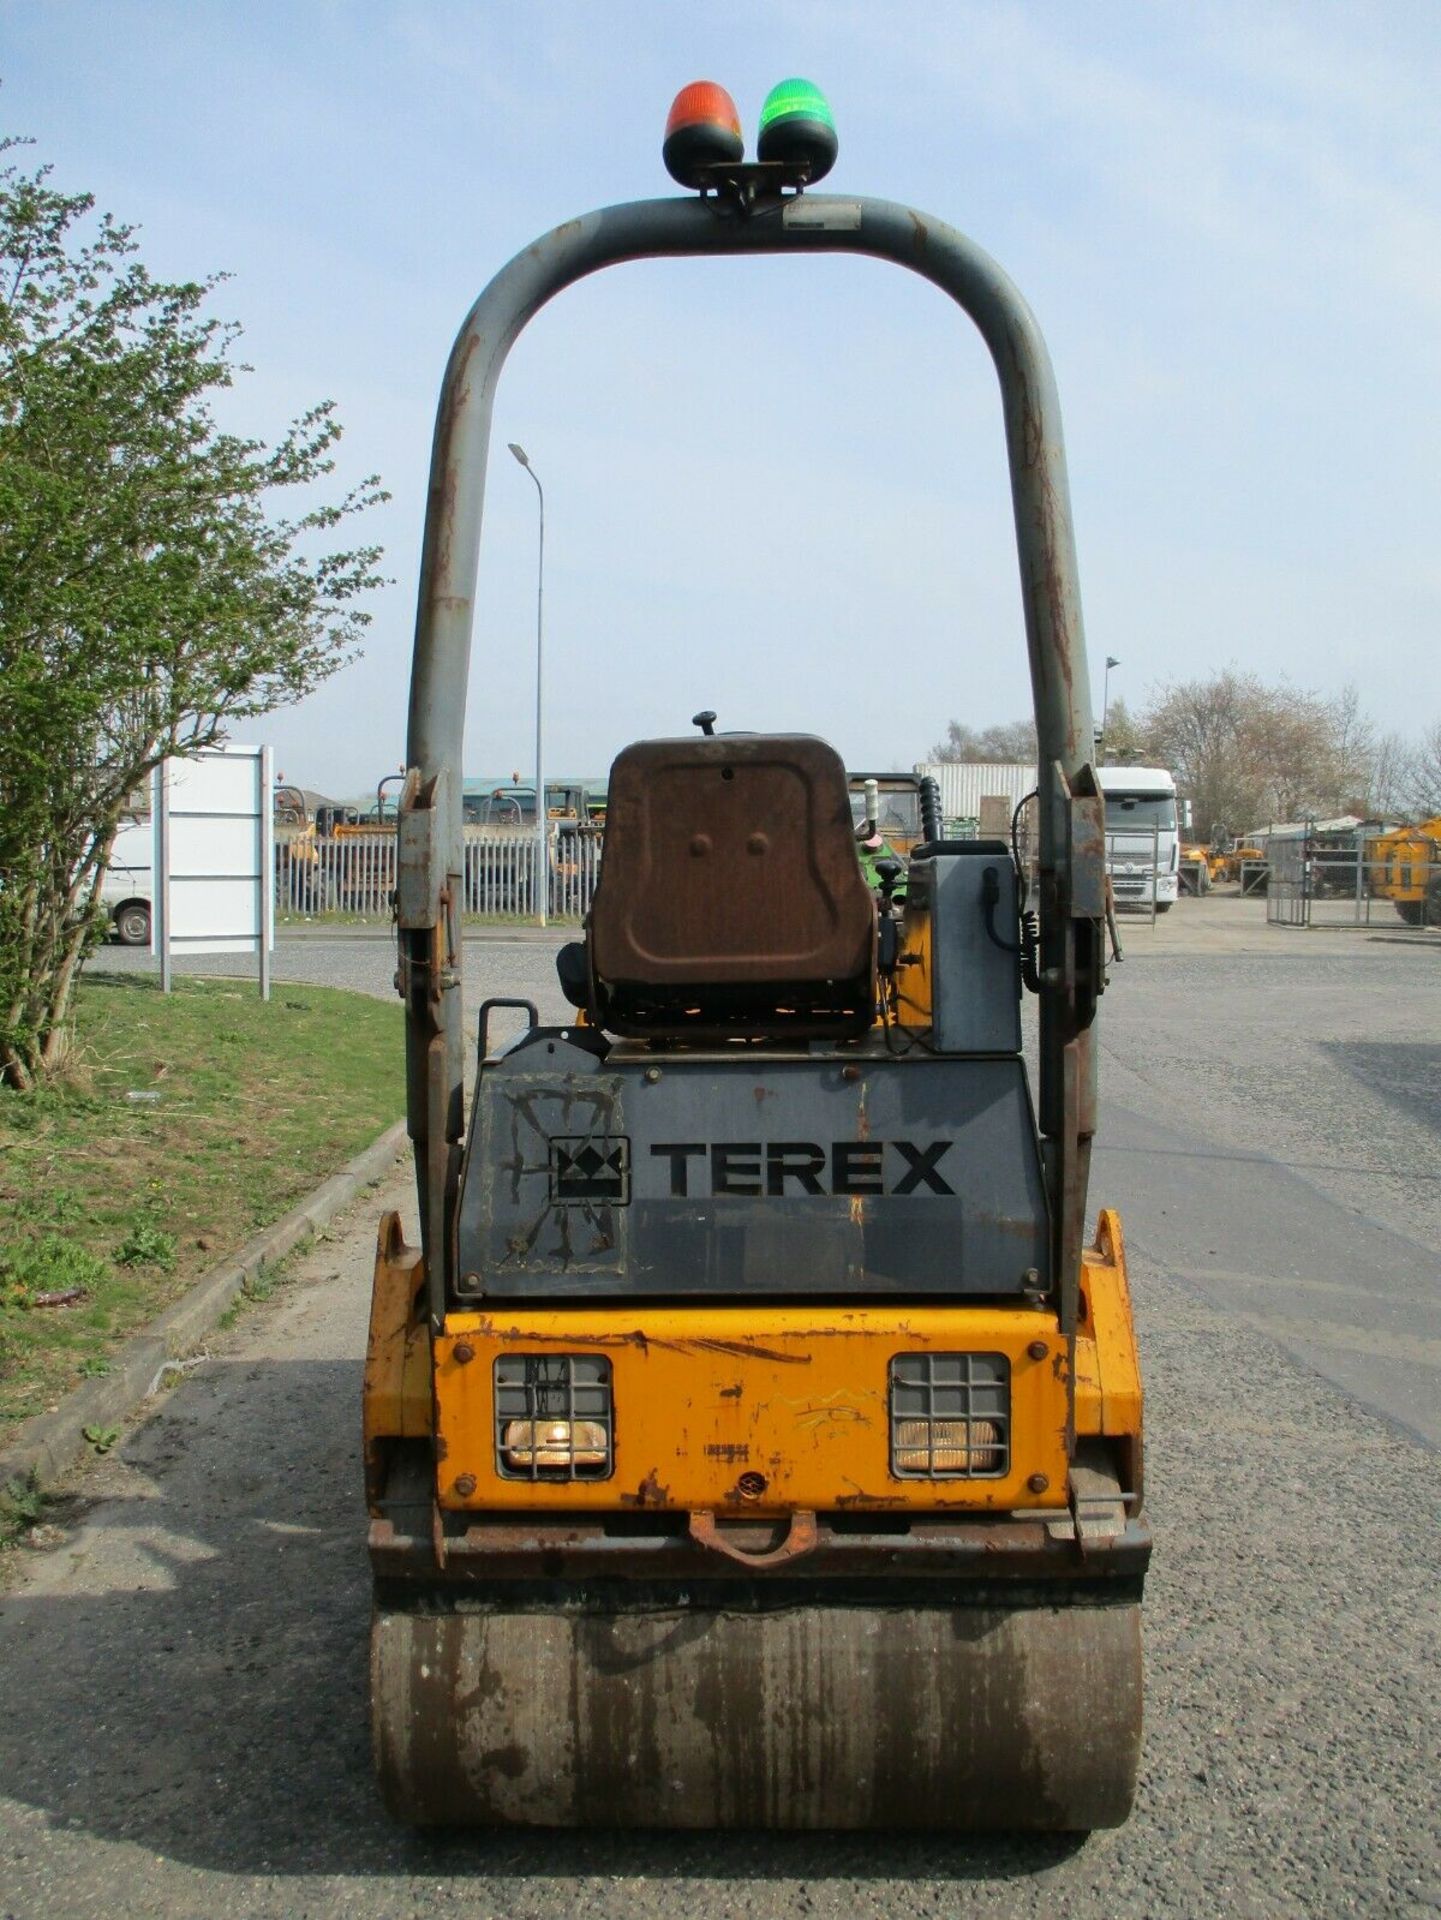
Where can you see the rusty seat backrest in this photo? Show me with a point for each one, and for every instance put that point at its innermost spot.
(730, 896)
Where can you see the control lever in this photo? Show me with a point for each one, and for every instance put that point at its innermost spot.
(888, 872)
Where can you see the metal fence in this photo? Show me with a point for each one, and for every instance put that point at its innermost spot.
(1288, 899)
(1133, 860)
(355, 874)
(1342, 886)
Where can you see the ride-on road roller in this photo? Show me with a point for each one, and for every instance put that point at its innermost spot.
(754, 1439)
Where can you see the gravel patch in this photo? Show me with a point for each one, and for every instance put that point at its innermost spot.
(1331, 1064)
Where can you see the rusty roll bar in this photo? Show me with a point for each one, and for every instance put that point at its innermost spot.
(1071, 822)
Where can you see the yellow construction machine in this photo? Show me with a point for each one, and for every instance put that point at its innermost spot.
(891, 803)
(297, 858)
(362, 861)
(1238, 862)
(1195, 868)
(754, 1438)
(1404, 866)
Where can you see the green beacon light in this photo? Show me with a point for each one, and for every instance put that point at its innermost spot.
(798, 127)
(703, 130)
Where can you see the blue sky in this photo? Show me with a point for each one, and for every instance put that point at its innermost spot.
(778, 488)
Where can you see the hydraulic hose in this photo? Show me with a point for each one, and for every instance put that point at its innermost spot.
(932, 825)
(1030, 930)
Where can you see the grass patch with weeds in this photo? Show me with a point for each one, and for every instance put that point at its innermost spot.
(202, 1116)
(147, 1245)
(22, 1505)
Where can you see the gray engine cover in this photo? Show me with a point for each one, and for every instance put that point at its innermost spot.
(976, 985)
(686, 1175)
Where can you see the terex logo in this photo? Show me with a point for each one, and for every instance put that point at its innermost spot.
(776, 1168)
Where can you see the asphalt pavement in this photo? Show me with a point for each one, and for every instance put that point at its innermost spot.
(183, 1657)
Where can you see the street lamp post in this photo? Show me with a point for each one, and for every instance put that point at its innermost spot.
(542, 814)
(1111, 661)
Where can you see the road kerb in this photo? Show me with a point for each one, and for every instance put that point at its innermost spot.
(50, 1443)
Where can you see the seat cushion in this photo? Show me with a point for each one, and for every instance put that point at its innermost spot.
(730, 860)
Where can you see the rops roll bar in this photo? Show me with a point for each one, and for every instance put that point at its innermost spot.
(1072, 870)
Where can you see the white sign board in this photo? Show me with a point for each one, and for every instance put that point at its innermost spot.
(215, 857)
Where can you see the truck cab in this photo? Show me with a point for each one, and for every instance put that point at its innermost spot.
(1142, 841)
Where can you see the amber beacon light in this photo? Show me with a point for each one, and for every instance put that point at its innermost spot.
(702, 130)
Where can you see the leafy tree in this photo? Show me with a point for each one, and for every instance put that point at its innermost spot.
(1422, 779)
(1011, 740)
(150, 593)
(1197, 729)
(1355, 753)
(1289, 737)
(1246, 752)
(1124, 743)
(1388, 796)
(1406, 776)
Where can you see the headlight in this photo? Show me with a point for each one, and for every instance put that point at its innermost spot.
(554, 1443)
(965, 1447)
(950, 1416)
(553, 1416)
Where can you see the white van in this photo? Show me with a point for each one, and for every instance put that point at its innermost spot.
(128, 887)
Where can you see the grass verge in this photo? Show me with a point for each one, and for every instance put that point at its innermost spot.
(187, 1123)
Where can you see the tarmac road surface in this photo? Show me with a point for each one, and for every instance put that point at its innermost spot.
(182, 1669)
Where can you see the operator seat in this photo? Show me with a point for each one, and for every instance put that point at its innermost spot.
(730, 899)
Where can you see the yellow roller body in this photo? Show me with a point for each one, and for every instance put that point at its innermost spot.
(763, 1446)
(752, 1410)
(916, 1654)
